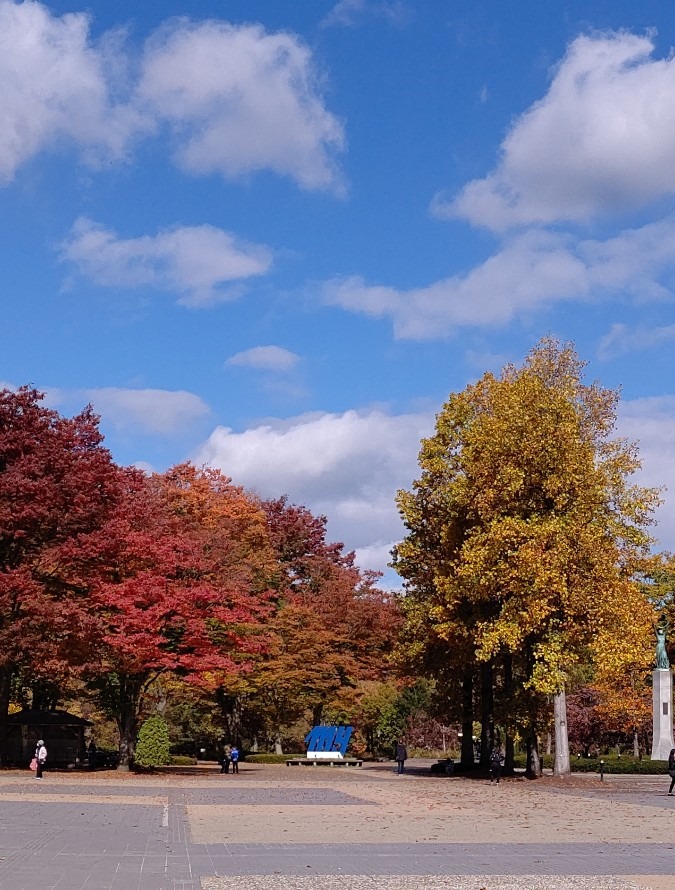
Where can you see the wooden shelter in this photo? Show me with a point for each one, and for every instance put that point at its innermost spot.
(63, 734)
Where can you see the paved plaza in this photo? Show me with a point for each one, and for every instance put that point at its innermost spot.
(305, 828)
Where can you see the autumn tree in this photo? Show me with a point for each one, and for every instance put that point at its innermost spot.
(525, 532)
(57, 484)
(172, 592)
(332, 627)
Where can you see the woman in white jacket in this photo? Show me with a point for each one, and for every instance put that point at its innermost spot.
(41, 757)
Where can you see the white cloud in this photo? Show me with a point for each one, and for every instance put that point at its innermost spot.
(651, 423)
(265, 358)
(237, 98)
(240, 100)
(620, 339)
(349, 467)
(56, 86)
(529, 272)
(195, 262)
(348, 13)
(602, 139)
(158, 412)
(346, 466)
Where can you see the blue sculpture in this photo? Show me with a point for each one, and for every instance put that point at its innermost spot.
(328, 741)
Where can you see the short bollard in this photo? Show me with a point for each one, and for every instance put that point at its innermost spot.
(602, 770)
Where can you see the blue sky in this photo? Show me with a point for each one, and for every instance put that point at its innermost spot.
(273, 237)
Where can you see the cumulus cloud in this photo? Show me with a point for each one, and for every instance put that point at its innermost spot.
(349, 467)
(157, 412)
(196, 262)
(620, 339)
(265, 358)
(160, 412)
(651, 423)
(239, 100)
(601, 140)
(528, 272)
(57, 85)
(346, 466)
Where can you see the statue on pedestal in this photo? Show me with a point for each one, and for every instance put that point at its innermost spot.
(662, 663)
(662, 697)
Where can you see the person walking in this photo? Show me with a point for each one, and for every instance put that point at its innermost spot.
(496, 761)
(225, 762)
(671, 770)
(40, 757)
(401, 755)
(234, 759)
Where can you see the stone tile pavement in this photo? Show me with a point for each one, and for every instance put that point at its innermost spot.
(86, 833)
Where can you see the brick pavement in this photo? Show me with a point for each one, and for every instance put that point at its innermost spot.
(129, 833)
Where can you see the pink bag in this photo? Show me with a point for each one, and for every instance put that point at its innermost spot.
(33, 763)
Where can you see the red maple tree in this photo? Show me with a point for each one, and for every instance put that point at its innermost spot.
(57, 483)
(172, 592)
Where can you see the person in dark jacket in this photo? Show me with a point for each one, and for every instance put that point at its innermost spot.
(400, 756)
(225, 760)
(671, 770)
(496, 762)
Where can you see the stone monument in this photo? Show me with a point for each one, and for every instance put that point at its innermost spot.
(662, 684)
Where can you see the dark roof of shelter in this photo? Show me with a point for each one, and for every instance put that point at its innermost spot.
(28, 717)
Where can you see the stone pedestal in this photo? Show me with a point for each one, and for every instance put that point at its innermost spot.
(662, 740)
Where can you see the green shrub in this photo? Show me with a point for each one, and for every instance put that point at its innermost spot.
(183, 760)
(612, 765)
(618, 765)
(270, 758)
(152, 747)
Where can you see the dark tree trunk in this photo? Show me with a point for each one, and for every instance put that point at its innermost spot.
(533, 766)
(509, 755)
(508, 708)
(487, 730)
(317, 714)
(5, 690)
(467, 753)
(232, 710)
(130, 700)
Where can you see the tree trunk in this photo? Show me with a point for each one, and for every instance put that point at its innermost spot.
(509, 755)
(533, 765)
(130, 698)
(562, 748)
(317, 714)
(278, 747)
(507, 708)
(487, 730)
(467, 757)
(636, 744)
(549, 742)
(126, 725)
(5, 690)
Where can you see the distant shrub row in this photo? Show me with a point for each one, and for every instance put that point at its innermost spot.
(612, 764)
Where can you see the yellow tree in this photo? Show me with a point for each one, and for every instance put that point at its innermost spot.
(524, 528)
(623, 663)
